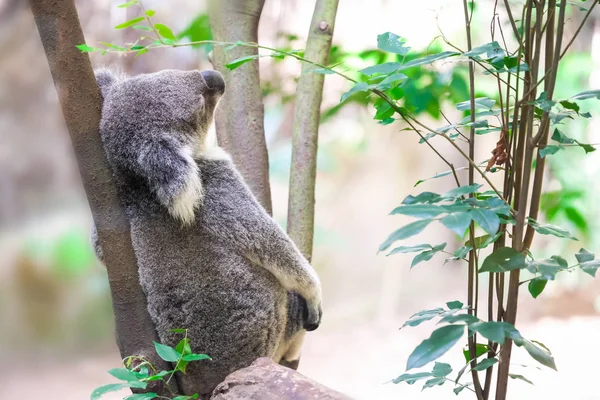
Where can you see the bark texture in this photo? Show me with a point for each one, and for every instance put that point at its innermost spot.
(240, 115)
(265, 380)
(303, 171)
(60, 31)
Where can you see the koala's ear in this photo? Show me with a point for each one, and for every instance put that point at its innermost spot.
(106, 78)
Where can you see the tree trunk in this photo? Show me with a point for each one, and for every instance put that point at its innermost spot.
(301, 203)
(79, 96)
(240, 115)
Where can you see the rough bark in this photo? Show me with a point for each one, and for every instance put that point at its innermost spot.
(60, 31)
(301, 203)
(265, 380)
(240, 115)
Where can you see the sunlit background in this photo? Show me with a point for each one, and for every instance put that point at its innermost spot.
(56, 326)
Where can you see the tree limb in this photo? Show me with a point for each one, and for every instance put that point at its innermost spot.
(301, 203)
(79, 96)
(240, 115)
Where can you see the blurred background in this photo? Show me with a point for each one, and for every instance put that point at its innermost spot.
(56, 324)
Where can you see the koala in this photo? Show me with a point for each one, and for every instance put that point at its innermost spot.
(210, 258)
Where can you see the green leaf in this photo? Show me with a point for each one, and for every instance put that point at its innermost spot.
(454, 305)
(440, 341)
(422, 316)
(542, 356)
(150, 13)
(488, 48)
(142, 28)
(536, 286)
(485, 364)
(586, 115)
(412, 378)
(440, 175)
(86, 49)
(457, 222)
(481, 103)
(487, 219)
(466, 318)
(195, 396)
(128, 4)
(441, 369)
(392, 43)
(460, 388)
(102, 390)
(434, 382)
(428, 59)
(391, 80)
(588, 94)
(461, 191)
(196, 357)
(123, 374)
(548, 268)
(165, 31)
(141, 396)
(520, 377)
(178, 330)
(359, 87)
(495, 331)
(502, 260)
(480, 349)
(424, 197)
(129, 23)
(240, 61)
(584, 255)
(462, 251)
(570, 105)
(405, 232)
(167, 353)
(384, 68)
(549, 150)
(410, 249)
(549, 229)
(561, 137)
(590, 267)
(588, 148)
(424, 256)
(419, 210)
(158, 376)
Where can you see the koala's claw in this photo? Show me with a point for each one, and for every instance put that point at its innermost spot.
(312, 316)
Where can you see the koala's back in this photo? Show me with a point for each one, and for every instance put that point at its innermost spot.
(196, 279)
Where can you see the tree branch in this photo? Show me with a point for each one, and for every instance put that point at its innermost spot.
(301, 204)
(79, 96)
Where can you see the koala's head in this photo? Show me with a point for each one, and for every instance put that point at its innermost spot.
(180, 103)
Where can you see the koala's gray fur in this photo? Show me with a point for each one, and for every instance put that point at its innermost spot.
(210, 259)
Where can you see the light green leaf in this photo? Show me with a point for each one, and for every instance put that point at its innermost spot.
(434, 382)
(392, 43)
(391, 80)
(483, 49)
(359, 87)
(419, 210)
(240, 61)
(487, 219)
(87, 49)
(424, 197)
(410, 249)
(549, 229)
(590, 267)
(549, 150)
(129, 23)
(584, 255)
(424, 256)
(542, 356)
(588, 94)
(520, 377)
(178, 330)
(441, 369)
(195, 396)
(502, 260)
(196, 357)
(405, 232)
(123, 374)
(142, 28)
(440, 341)
(422, 316)
(481, 103)
(128, 4)
(428, 59)
(461, 191)
(150, 13)
(460, 388)
(102, 390)
(412, 378)
(480, 349)
(548, 268)
(167, 353)
(457, 222)
(485, 364)
(384, 68)
(536, 286)
(165, 31)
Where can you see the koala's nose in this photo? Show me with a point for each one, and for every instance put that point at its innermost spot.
(214, 81)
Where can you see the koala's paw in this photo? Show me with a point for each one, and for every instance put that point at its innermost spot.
(313, 313)
(184, 204)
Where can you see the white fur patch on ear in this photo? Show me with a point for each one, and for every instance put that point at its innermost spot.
(184, 205)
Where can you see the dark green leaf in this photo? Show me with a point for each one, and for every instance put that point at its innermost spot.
(384, 68)
(392, 43)
(440, 341)
(410, 249)
(240, 61)
(422, 316)
(441, 369)
(461, 191)
(425, 197)
(584, 255)
(129, 23)
(457, 222)
(391, 80)
(588, 94)
(586, 115)
(495, 331)
(466, 318)
(481, 103)
(542, 356)
(485, 364)
(549, 150)
(359, 87)
(412, 378)
(167, 353)
(419, 210)
(195, 396)
(454, 305)
(520, 377)
(428, 59)
(487, 219)
(502, 260)
(561, 137)
(588, 148)
(405, 232)
(549, 229)
(536, 286)
(141, 396)
(165, 31)
(570, 105)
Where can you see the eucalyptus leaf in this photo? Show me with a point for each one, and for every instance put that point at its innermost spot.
(410, 249)
(481, 103)
(457, 222)
(428, 59)
(422, 316)
(454, 305)
(588, 94)
(434, 382)
(584, 255)
(543, 356)
(392, 43)
(487, 219)
(549, 229)
(129, 23)
(405, 232)
(485, 364)
(359, 87)
(419, 210)
(412, 378)
(167, 353)
(503, 259)
(440, 341)
(441, 369)
(521, 378)
(240, 61)
(384, 68)
(536, 286)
